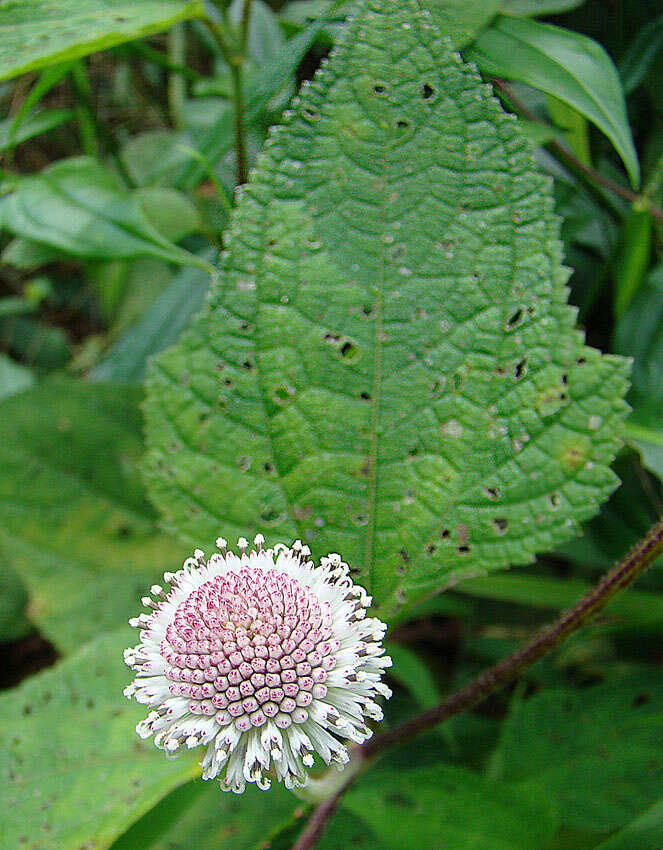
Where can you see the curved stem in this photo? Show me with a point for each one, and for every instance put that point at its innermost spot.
(613, 582)
(318, 821)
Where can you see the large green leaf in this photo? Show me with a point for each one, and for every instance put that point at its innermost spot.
(35, 34)
(388, 367)
(77, 206)
(73, 774)
(563, 63)
(74, 522)
(447, 807)
(596, 752)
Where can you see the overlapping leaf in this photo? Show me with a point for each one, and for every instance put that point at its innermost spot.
(565, 64)
(388, 367)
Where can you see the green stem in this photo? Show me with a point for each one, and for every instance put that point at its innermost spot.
(613, 582)
(84, 110)
(237, 69)
(176, 82)
(235, 57)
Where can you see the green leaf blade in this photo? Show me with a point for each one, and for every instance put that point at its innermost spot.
(388, 367)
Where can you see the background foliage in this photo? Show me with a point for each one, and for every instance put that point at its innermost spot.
(369, 371)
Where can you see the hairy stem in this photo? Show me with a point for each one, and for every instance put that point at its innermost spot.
(506, 670)
(318, 821)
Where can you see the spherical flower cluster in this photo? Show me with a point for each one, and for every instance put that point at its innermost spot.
(262, 657)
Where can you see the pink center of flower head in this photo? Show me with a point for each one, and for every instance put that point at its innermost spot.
(250, 645)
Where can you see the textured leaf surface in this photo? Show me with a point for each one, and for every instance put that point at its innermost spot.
(388, 366)
(74, 521)
(74, 774)
(597, 752)
(35, 33)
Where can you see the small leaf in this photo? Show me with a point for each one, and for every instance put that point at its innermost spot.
(632, 257)
(74, 521)
(154, 157)
(171, 212)
(14, 378)
(159, 327)
(77, 206)
(28, 256)
(462, 21)
(73, 772)
(635, 610)
(274, 76)
(410, 671)
(645, 832)
(387, 366)
(14, 622)
(35, 343)
(538, 8)
(37, 34)
(638, 334)
(565, 64)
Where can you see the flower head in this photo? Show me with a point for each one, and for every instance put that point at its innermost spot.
(262, 657)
